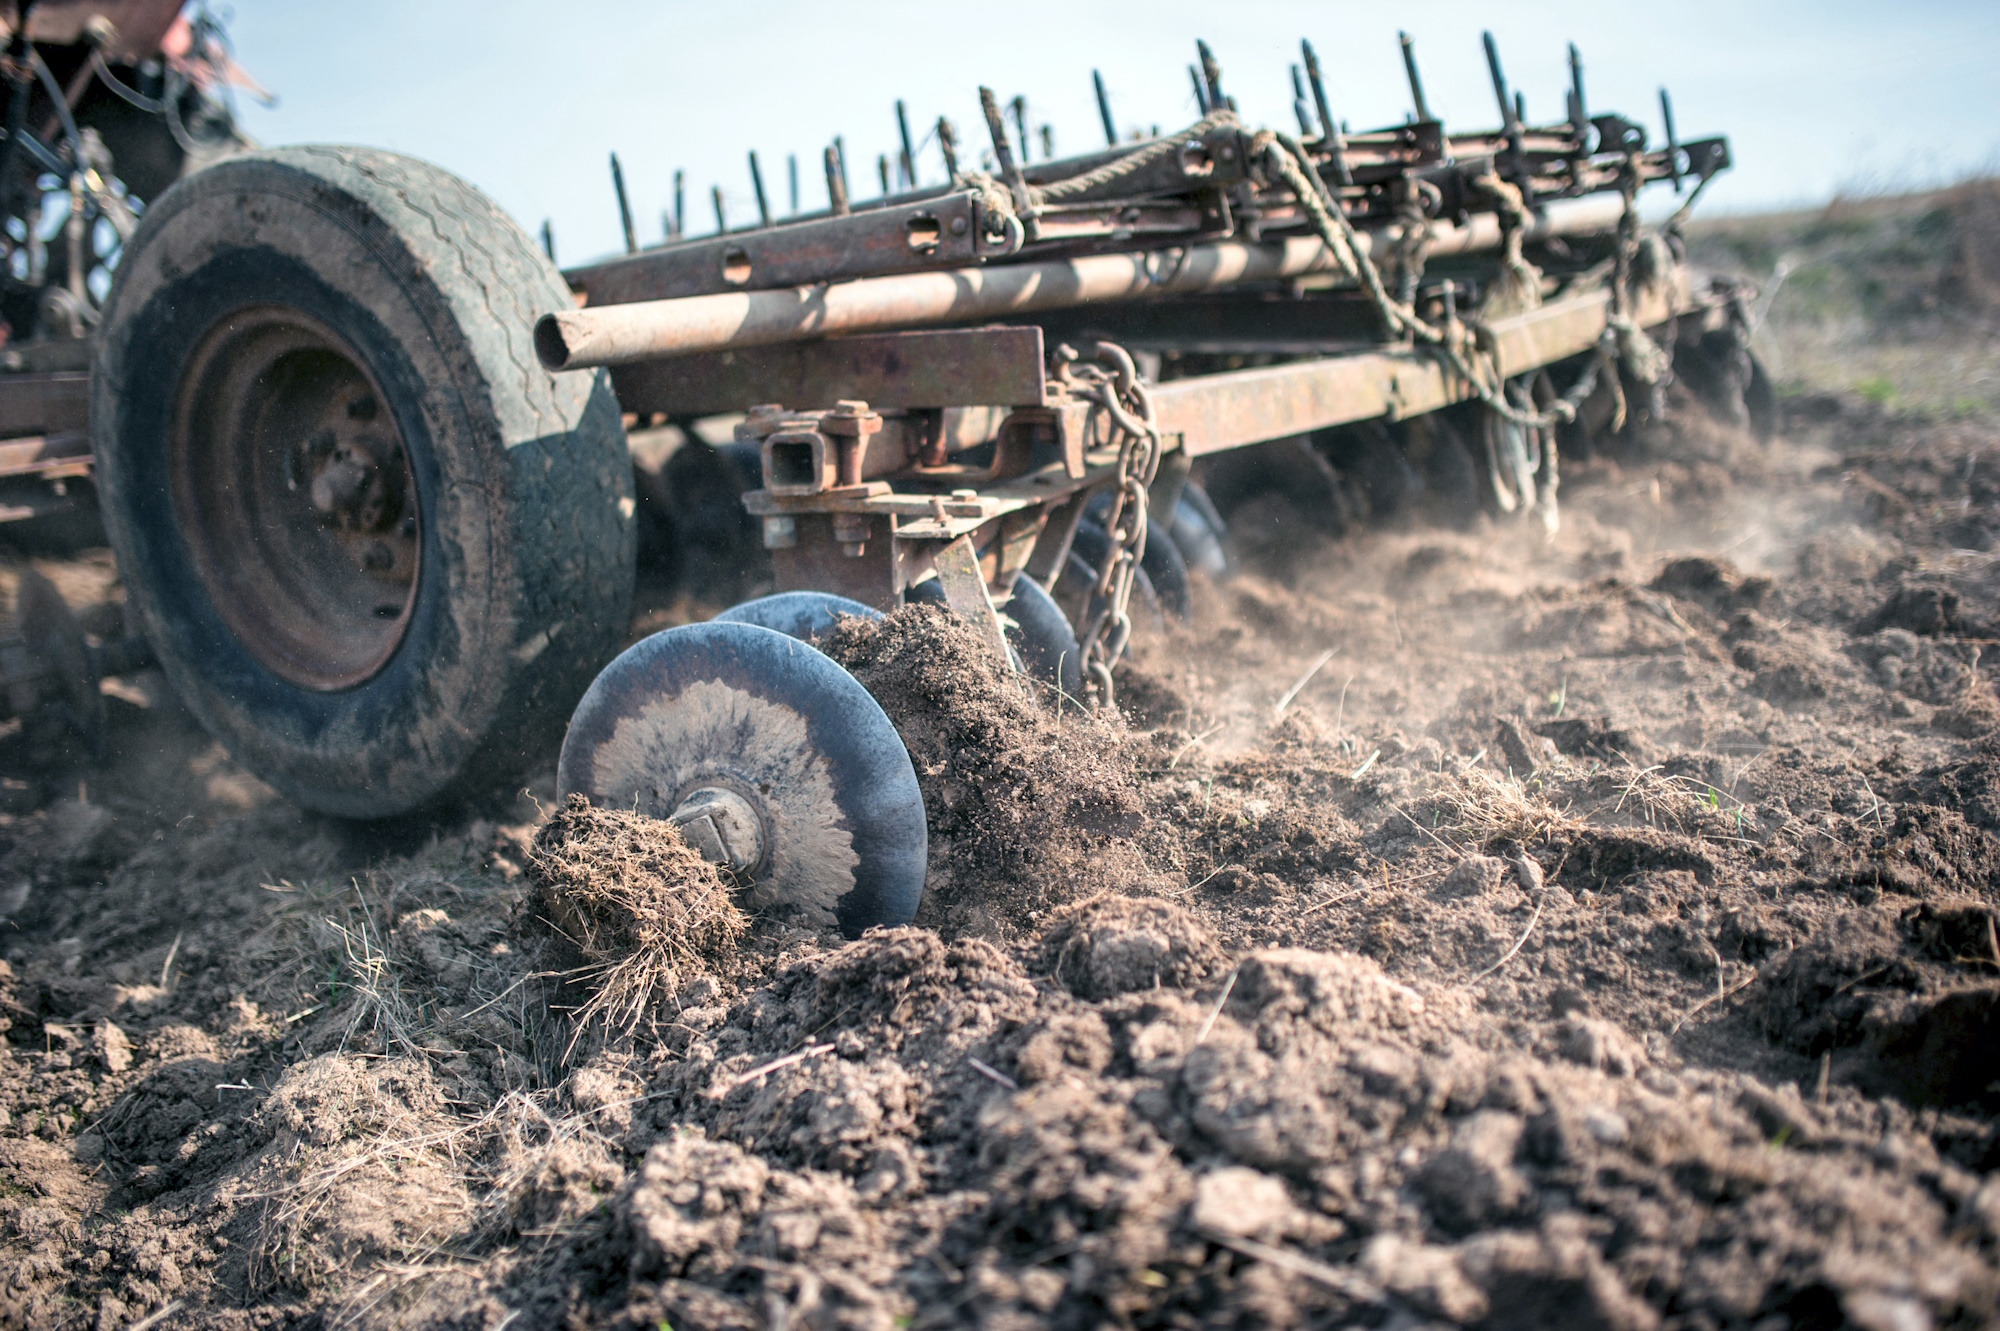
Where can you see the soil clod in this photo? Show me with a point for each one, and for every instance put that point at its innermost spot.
(1608, 935)
(643, 913)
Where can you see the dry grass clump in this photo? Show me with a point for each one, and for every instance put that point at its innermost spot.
(366, 1171)
(644, 911)
(1561, 797)
(1647, 795)
(1486, 807)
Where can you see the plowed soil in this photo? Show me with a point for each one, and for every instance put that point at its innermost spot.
(1460, 927)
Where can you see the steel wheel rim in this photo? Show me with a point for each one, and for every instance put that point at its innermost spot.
(293, 488)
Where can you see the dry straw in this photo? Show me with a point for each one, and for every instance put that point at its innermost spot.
(646, 913)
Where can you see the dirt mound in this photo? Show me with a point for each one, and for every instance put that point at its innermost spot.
(980, 1150)
(1904, 999)
(1490, 931)
(1028, 810)
(1714, 584)
(643, 912)
(1926, 609)
(1114, 945)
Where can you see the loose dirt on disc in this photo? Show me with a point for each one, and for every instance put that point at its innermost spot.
(1462, 928)
(1029, 802)
(638, 913)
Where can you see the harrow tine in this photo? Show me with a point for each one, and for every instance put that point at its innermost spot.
(721, 218)
(757, 184)
(1018, 108)
(1499, 78)
(1299, 107)
(1330, 133)
(680, 204)
(1002, 153)
(1328, 127)
(548, 240)
(948, 146)
(1673, 139)
(836, 188)
(882, 170)
(1579, 112)
(1510, 119)
(1416, 79)
(1104, 110)
(1200, 93)
(624, 205)
(792, 177)
(1211, 74)
(908, 162)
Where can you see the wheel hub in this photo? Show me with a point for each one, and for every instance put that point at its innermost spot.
(296, 498)
(723, 827)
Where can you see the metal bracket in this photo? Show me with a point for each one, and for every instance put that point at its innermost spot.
(965, 592)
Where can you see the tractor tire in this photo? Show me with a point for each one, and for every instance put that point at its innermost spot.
(378, 549)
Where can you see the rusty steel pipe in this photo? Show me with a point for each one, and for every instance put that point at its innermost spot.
(655, 329)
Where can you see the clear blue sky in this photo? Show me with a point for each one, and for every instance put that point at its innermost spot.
(526, 100)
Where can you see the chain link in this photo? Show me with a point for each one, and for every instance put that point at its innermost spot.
(1457, 341)
(1463, 345)
(1104, 375)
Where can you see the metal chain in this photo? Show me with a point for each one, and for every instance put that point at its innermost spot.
(1103, 374)
(1463, 344)
(1457, 341)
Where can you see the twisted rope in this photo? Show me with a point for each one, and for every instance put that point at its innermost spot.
(1136, 160)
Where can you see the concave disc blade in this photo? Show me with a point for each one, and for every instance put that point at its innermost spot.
(801, 615)
(775, 720)
(1043, 639)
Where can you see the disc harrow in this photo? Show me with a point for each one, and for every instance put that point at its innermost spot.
(1161, 300)
(1000, 392)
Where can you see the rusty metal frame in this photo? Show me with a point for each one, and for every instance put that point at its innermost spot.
(873, 539)
(52, 404)
(1003, 367)
(1223, 411)
(1200, 190)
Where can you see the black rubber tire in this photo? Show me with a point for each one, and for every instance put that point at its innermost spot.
(522, 477)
